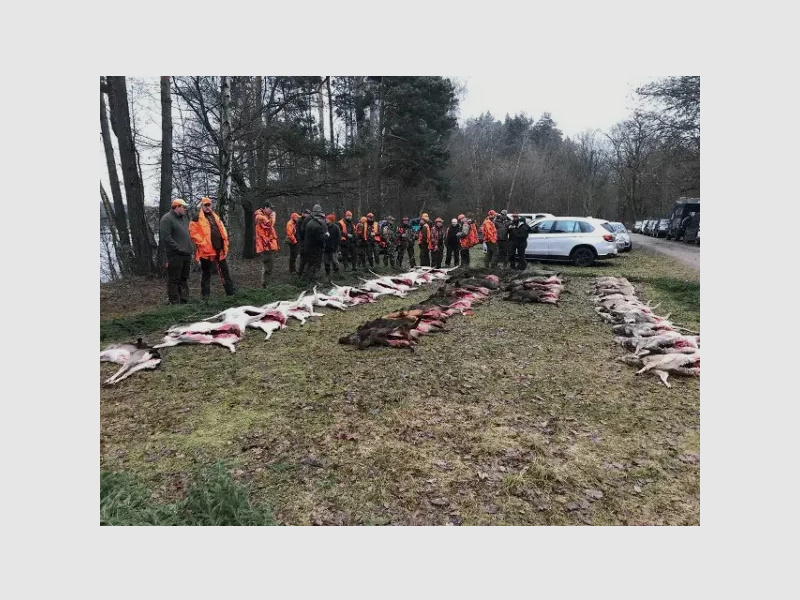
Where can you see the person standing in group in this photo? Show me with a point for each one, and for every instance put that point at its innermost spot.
(291, 241)
(332, 246)
(387, 241)
(348, 240)
(501, 224)
(521, 242)
(489, 232)
(404, 242)
(301, 233)
(424, 240)
(437, 243)
(452, 242)
(266, 239)
(374, 239)
(468, 238)
(211, 247)
(315, 234)
(173, 234)
(362, 244)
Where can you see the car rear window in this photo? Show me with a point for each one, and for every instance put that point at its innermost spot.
(619, 228)
(608, 227)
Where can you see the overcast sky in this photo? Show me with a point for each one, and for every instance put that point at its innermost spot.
(575, 102)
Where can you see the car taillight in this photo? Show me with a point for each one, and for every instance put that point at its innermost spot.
(608, 237)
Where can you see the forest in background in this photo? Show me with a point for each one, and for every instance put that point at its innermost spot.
(387, 145)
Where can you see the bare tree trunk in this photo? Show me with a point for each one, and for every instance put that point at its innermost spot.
(330, 111)
(516, 168)
(119, 216)
(112, 227)
(166, 158)
(321, 112)
(225, 149)
(134, 190)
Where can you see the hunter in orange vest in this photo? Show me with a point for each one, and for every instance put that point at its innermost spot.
(468, 236)
(210, 239)
(347, 245)
(490, 238)
(291, 240)
(266, 239)
(424, 240)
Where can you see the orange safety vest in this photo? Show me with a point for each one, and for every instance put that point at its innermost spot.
(200, 232)
(266, 236)
(343, 226)
(427, 237)
(291, 231)
(489, 231)
(472, 237)
(365, 231)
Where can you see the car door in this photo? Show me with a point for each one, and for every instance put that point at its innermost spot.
(538, 239)
(564, 237)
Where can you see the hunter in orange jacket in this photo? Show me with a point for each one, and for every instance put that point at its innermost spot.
(488, 229)
(211, 247)
(200, 232)
(291, 229)
(266, 239)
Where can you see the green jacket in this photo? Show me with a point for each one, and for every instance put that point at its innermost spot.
(173, 234)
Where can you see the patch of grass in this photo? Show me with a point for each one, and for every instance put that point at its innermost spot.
(213, 498)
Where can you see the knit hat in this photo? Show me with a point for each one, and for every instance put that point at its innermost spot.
(504, 212)
(317, 208)
(492, 213)
(460, 217)
(178, 202)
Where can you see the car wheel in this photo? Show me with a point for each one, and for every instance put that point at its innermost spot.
(582, 257)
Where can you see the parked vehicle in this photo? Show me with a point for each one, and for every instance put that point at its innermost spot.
(660, 228)
(637, 226)
(682, 208)
(647, 228)
(692, 230)
(621, 237)
(533, 217)
(580, 240)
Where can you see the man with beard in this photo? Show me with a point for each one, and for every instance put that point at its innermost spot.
(315, 234)
(436, 244)
(521, 232)
(501, 223)
(404, 242)
(451, 240)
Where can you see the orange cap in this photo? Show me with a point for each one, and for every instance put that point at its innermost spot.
(492, 213)
(363, 219)
(331, 218)
(461, 217)
(295, 216)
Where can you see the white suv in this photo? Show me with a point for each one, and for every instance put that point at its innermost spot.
(581, 240)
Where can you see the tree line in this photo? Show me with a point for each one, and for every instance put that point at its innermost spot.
(387, 145)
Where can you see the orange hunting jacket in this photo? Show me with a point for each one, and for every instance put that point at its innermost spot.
(266, 236)
(200, 232)
(489, 231)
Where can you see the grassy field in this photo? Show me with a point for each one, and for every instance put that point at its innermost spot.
(517, 415)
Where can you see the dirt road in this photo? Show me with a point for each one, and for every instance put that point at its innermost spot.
(688, 254)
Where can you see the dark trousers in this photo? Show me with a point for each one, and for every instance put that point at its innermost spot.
(424, 255)
(388, 257)
(349, 255)
(375, 249)
(331, 261)
(178, 278)
(502, 253)
(436, 258)
(519, 258)
(402, 251)
(452, 254)
(491, 254)
(292, 257)
(465, 257)
(364, 255)
(303, 259)
(314, 262)
(207, 267)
